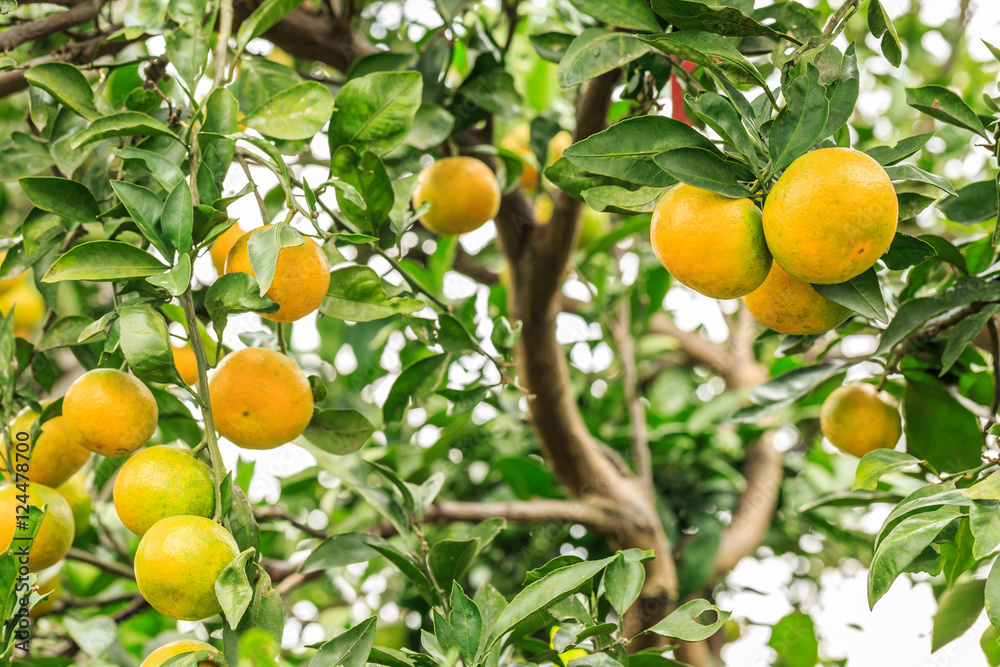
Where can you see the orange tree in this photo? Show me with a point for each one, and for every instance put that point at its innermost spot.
(512, 499)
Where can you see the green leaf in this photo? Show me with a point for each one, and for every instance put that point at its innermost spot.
(366, 174)
(166, 173)
(940, 103)
(375, 112)
(551, 46)
(629, 14)
(799, 125)
(721, 115)
(842, 92)
(963, 333)
(880, 25)
(692, 622)
(957, 611)
(67, 84)
(265, 247)
(449, 559)
(233, 589)
(984, 521)
(297, 113)
(235, 293)
(267, 14)
(338, 551)
(704, 169)
(417, 381)
(145, 343)
(187, 53)
(720, 20)
(874, 465)
(907, 172)
(956, 554)
(975, 202)
(794, 639)
(545, 592)
(339, 432)
(623, 582)
(356, 294)
(103, 260)
(889, 155)
(718, 54)
(627, 149)
(787, 388)
(862, 294)
(432, 126)
(408, 567)
(188, 13)
(597, 51)
(911, 203)
(125, 124)
(177, 219)
(348, 649)
(938, 428)
(466, 624)
(70, 199)
(145, 208)
(907, 541)
(616, 199)
(22, 155)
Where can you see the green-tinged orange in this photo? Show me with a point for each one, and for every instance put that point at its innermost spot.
(830, 216)
(174, 649)
(789, 306)
(177, 563)
(260, 399)
(463, 194)
(713, 244)
(55, 455)
(53, 587)
(28, 304)
(110, 412)
(301, 277)
(162, 481)
(74, 490)
(55, 535)
(858, 419)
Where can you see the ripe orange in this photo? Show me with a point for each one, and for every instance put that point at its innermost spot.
(55, 455)
(858, 418)
(463, 194)
(110, 412)
(186, 363)
(221, 247)
(74, 490)
(28, 304)
(712, 244)
(167, 651)
(55, 535)
(301, 278)
(260, 399)
(162, 481)
(789, 306)
(830, 216)
(177, 563)
(10, 283)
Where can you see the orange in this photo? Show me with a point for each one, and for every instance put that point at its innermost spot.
(260, 399)
(55, 535)
(110, 412)
(830, 216)
(789, 306)
(162, 481)
(55, 455)
(74, 490)
(177, 563)
(301, 277)
(593, 225)
(10, 283)
(53, 587)
(463, 194)
(858, 418)
(28, 304)
(712, 244)
(167, 651)
(221, 247)
(186, 363)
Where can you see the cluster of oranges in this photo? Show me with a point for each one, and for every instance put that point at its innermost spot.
(829, 217)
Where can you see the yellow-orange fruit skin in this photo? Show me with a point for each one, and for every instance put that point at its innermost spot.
(162, 481)
(55, 535)
(180, 647)
(55, 455)
(301, 277)
(260, 399)
(789, 306)
(463, 194)
(858, 419)
(74, 490)
(713, 244)
(110, 412)
(222, 245)
(830, 216)
(186, 363)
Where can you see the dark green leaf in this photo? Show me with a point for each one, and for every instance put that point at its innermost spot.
(889, 155)
(596, 51)
(975, 202)
(623, 582)
(366, 174)
(939, 429)
(338, 551)
(862, 294)
(715, 52)
(145, 343)
(691, 622)
(349, 649)
(466, 624)
(963, 333)
(721, 115)
(880, 25)
(799, 125)
(262, 19)
(356, 294)
(376, 112)
(103, 260)
(235, 293)
(177, 219)
(787, 388)
(297, 113)
(721, 20)
(874, 465)
(233, 590)
(417, 381)
(552, 46)
(704, 169)
(70, 199)
(945, 105)
(906, 251)
(67, 84)
(338, 431)
(127, 123)
(794, 639)
(958, 609)
(630, 14)
(907, 172)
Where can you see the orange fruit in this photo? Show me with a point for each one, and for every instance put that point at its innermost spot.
(55, 455)
(463, 194)
(831, 214)
(222, 245)
(260, 399)
(858, 418)
(301, 277)
(53, 587)
(10, 283)
(712, 244)
(162, 481)
(28, 304)
(110, 412)
(180, 647)
(789, 306)
(186, 363)
(74, 490)
(55, 535)
(177, 563)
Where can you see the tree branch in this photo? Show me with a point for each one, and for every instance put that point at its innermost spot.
(538, 511)
(29, 31)
(620, 330)
(110, 567)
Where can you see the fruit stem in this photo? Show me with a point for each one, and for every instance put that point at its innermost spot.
(218, 469)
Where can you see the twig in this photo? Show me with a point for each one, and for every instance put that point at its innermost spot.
(620, 330)
(264, 217)
(110, 567)
(222, 44)
(991, 326)
(273, 513)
